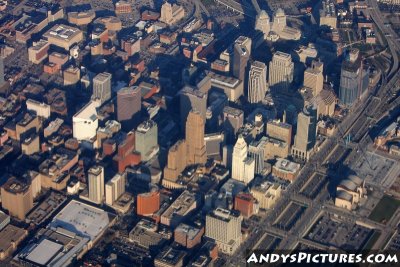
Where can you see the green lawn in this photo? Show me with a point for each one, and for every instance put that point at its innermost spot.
(385, 209)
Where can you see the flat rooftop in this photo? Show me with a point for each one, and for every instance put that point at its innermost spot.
(62, 32)
(82, 219)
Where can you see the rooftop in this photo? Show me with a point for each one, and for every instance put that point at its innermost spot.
(82, 219)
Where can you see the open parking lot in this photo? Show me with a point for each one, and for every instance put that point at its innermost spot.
(347, 236)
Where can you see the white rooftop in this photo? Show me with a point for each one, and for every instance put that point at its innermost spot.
(81, 219)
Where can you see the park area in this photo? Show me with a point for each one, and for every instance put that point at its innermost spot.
(385, 209)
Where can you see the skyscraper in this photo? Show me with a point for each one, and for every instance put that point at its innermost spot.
(279, 21)
(281, 70)
(96, 184)
(256, 152)
(102, 86)
(353, 79)
(241, 57)
(192, 99)
(115, 188)
(196, 147)
(224, 226)
(146, 139)
(257, 84)
(129, 104)
(242, 165)
(233, 120)
(263, 23)
(2, 81)
(305, 138)
(314, 78)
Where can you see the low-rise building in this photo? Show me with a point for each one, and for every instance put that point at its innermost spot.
(286, 169)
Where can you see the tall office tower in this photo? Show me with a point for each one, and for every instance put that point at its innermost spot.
(233, 120)
(171, 13)
(2, 81)
(17, 198)
(244, 41)
(224, 226)
(279, 21)
(102, 86)
(96, 184)
(115, 188)
(146, 139)
(314, 78)
(353, 79)
(241, 56)
(279, 130)
(196, 147)
(192, 99)
(256, 152)
(305, 138)
(281, 70)
(129, 104)
(263, 23)
(176, 162)
(257, 84)
(242, 165)
(217, 102)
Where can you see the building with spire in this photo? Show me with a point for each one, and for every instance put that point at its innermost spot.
(242, 165)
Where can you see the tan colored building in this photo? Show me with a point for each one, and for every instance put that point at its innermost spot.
(267, 194)
(275, 148)
(171, 13)
(176, 161)
(279, 130)
(224, 227)
(112, 23)
(181, 207)
(29, 123)
(81, 18)
(16, 197)
(63, 36)
(72, 75)
(326, 101)
(314, 78)
(30, 145)
(286, 169)
(349, 192)
(38, 51)
(10, 237)
(196, 147)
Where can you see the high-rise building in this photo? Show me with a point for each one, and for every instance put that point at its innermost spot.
(233, 120)
(146, 139)
(306, 133)
(148, 203)
(279, 130)
(192, 99)
(314, 78)
(353, 79)
(279, 21)
(242, 165)
(256, 152)
(176, 161)
(129, 104)
(72, 75)
(2, 81)
(281, 70)
(96, 184)
(16, 197)
(115, 188)
(196, 147)
(102, 86)
(263, 23)
(257, 84)
(192, 150)
(241, 56)
(85, 121)
(171, 13)
(224, 227)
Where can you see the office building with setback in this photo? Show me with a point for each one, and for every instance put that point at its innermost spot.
(96, 184)
(129, 105)
(257, 83)
(224, 227)
(306, 133)
(146, 141)
(102, 87)
(281, 70)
